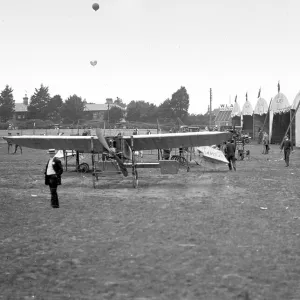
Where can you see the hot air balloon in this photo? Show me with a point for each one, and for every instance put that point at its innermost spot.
(95, 6)
(93, 63)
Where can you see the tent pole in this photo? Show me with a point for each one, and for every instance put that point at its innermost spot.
(291, 131)
(290, 123)
(266, 116)
(253, 128)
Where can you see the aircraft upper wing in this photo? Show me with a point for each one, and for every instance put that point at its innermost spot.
(78, 143)
(176, 140)
(141, 142)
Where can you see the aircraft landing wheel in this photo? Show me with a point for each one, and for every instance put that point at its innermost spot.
(83, 168)
(135, 179)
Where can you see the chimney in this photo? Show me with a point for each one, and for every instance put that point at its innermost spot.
(25, 100)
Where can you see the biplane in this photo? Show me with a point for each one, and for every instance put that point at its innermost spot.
(121, 148)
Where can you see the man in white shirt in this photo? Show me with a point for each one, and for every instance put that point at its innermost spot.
(53, 173)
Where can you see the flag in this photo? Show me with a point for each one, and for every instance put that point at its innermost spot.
(278, 85)
(235, 98)
(258, 93)
(246, 96)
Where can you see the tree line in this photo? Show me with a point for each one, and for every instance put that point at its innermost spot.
(43, 106)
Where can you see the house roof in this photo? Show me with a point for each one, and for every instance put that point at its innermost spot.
(20, 107)
(96, 107)
(223, 116)
(99, 107)
(214, 112)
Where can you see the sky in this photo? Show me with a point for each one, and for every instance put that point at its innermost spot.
(146, 50)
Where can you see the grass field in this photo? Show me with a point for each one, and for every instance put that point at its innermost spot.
(214, 235)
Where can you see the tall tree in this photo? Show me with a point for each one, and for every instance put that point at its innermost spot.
(115, 114)
(141, 111)
(54, 107)
(165, 111)
(180, 103)
(39, 101)
(120, 102)
(133, 111)
(7, 104)
(73, 109)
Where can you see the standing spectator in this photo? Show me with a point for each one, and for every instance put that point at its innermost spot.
(9, 144)
(53, 173)
(287, 146)
(223, 148)
(230, 154)
(260, 136)
(135, 131)
(16, 146)
(265, 143)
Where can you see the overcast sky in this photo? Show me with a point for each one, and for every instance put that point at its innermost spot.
(147, 49)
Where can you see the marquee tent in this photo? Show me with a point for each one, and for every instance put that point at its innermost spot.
(259, 115)
(236, 114)
(296, 122)
(247, 118)
(279, 117)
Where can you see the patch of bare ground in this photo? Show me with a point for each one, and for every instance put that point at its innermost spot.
(197, 235)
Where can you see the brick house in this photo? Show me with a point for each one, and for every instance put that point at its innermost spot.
(97, 111)
(21, 110)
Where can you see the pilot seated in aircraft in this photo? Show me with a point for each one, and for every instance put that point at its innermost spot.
(166, 154)
(112, 148)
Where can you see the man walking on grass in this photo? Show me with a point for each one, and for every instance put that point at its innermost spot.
(53, 173)
(230, 154)
(287, 146)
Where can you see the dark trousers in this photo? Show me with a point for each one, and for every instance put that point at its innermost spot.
(231, 159)
(9, 146)
(53, 190)
(16, 148)
(267, 149)
(287, 156)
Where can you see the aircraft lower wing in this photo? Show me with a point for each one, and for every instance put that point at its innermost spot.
(140, 142)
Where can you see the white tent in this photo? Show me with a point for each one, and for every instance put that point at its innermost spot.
(297, 120)
(246, 117)
(247, 109)
(236, 111)
(280, 104)
(261, 107)
(259, 116)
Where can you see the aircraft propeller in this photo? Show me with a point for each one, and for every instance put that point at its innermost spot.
(113, 154)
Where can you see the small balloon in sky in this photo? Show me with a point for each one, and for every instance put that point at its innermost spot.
(95, 6)
(93, 63)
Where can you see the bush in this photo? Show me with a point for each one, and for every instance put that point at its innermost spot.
(29, 124)
(4, 126)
